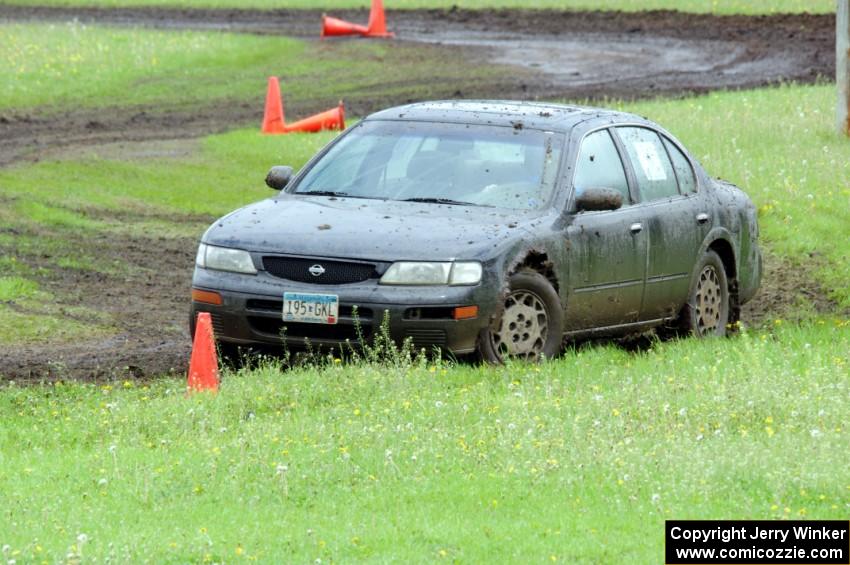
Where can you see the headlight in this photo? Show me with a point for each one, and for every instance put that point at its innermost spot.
(426, 273)
(468, 272)
(225, 259)
(201, 257)
(417, 273)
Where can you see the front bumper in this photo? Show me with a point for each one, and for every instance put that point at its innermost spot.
(251, 313)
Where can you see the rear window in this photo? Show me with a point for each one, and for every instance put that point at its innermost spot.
(684, 171)
(651, 165)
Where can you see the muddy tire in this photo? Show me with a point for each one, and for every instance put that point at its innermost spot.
(707, 312)
(530, 325)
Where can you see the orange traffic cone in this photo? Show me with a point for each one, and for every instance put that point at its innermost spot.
(335, 26)
(273, 119)
(377, 21)
(331, 119)
(203, 366)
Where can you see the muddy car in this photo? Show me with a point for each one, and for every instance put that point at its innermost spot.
(487, 227)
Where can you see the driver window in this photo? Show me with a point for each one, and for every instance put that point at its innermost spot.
(599, 166)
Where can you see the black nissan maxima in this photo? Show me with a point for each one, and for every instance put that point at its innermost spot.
(488, 227)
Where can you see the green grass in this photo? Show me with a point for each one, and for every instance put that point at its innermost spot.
(48, 326)
(74, 64)
(226, 172)
(15, 288)
(579, 460)
(12, 266)
(59, 67)
(702, 6)
(26, 316)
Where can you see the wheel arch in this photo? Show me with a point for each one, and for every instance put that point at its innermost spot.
(537, 260)
(727, 254)
(534, 267)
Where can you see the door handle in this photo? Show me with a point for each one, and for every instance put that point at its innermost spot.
(636, 227)
(702, 218)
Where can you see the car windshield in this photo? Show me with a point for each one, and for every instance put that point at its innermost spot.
(461, 164)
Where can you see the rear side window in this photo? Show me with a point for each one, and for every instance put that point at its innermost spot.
(652, 167)
(599, 166)
(684, 172)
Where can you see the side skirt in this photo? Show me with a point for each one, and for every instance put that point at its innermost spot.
(617, 329)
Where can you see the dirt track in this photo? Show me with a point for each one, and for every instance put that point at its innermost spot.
(568, 55)
(573, 55)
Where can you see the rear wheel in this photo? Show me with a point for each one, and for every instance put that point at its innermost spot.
(707, 312)
(530, 326)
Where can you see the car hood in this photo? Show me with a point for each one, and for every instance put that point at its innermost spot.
(376, 230)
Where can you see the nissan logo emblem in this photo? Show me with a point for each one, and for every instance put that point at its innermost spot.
(316, 270)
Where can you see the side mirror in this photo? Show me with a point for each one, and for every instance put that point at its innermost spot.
(278, 177)
(595, 199)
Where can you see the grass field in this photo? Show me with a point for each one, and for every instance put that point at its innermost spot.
(575, 461)
(578, 460)
(702, 6)
(63, 66)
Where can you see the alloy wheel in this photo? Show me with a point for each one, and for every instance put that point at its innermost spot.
(709, 301)
(524, 327)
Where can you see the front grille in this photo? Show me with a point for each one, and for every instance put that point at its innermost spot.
(217, 324)
(270, 305)
(333, 332)
(426, 339)
(430, 313)
(334, 272)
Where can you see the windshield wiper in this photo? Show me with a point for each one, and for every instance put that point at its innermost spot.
(441, 201)
(336, 193)
(323, 193)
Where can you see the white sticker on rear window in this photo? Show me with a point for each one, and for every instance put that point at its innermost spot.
(650, 161)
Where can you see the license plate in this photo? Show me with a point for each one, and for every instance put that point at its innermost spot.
(310, 308)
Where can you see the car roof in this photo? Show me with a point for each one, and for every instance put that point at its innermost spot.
(534, 115)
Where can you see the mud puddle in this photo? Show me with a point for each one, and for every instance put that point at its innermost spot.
(578, 62)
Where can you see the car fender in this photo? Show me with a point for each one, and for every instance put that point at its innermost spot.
(721, 233)
(500, 262)
(717, 234)
(737, 211)
(539, 253)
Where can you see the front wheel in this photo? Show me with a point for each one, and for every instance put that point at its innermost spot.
(530, 325)
(707, 311)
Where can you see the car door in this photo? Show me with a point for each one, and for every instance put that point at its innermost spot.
(672, 215)
(606, 249)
